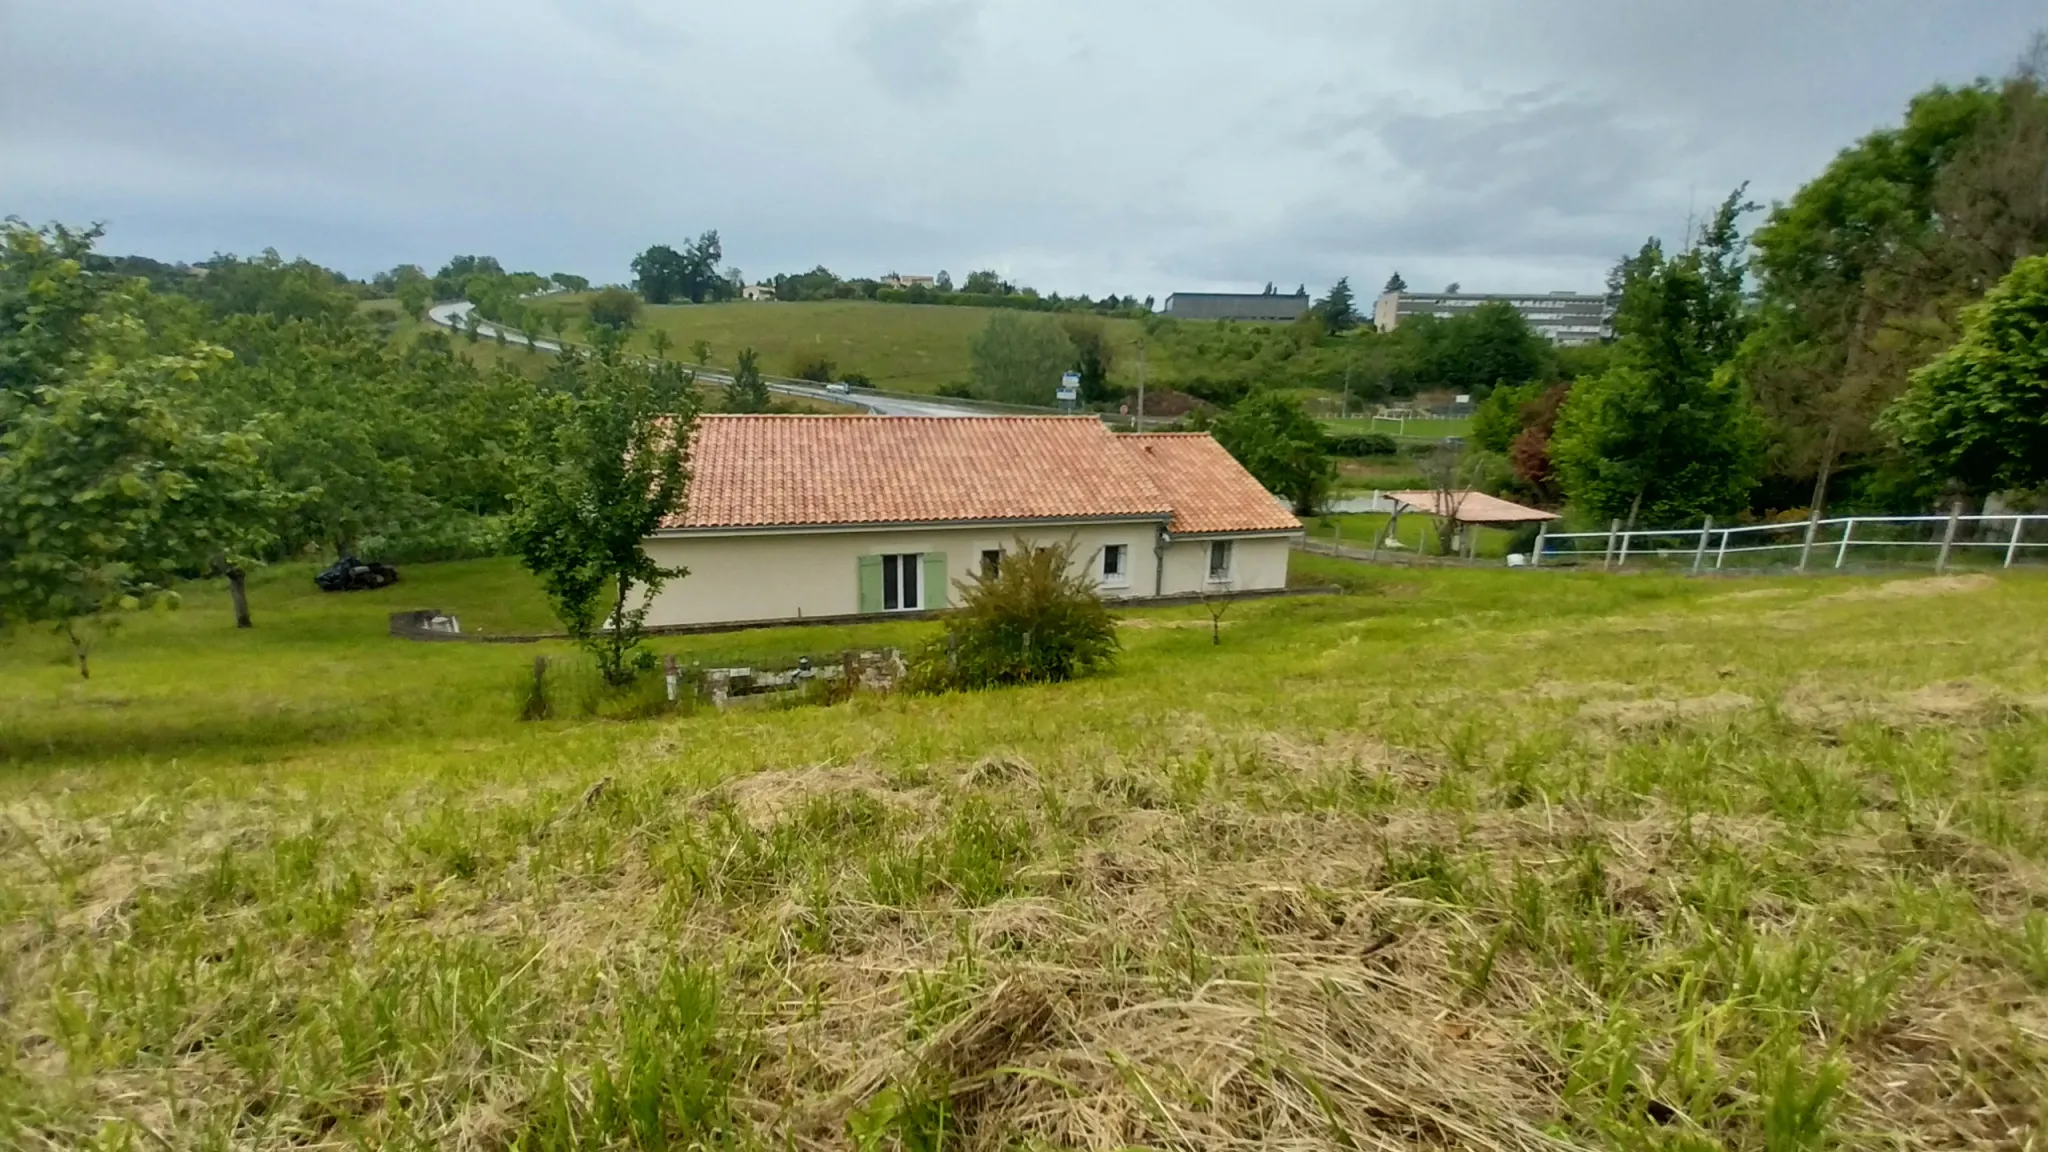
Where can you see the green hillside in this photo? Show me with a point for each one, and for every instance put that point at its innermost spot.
(906, 347)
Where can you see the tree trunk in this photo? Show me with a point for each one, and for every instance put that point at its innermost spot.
(238, 592)
(78, 649)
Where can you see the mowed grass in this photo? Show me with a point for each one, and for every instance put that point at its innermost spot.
(1460, 859)
(1409, 429)
(901, 347)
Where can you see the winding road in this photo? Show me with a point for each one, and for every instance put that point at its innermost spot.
(455, 316)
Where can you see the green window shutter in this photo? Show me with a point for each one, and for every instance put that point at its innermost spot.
(871, 584)
(935, 582)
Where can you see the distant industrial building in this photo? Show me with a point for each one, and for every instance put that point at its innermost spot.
(1257, 306)
(1564, 318)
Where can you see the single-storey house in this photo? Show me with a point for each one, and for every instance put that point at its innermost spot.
(792, 517)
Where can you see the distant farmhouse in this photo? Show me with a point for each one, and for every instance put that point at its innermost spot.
(1564, 318)
(758, 292)
(894, 281)
(798, 517)
(1237, 306)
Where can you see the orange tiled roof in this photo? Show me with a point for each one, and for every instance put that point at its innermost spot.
(801, 471)
(763, 471)
(1209, 490)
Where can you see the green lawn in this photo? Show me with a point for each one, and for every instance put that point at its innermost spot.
(1482, 859)
(902, 347)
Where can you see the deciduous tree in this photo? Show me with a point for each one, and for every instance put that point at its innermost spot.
(748, 392)
(1019, 358)
(1978, 414)
(1281, 445)
(606, 454)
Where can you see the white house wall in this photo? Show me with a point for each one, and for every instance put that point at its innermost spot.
(786, 576)
(1256, 563)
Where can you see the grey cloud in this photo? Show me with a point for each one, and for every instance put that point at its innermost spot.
(915, 47)
(1074, 144)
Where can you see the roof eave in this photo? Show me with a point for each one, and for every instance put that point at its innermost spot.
(1162, 517)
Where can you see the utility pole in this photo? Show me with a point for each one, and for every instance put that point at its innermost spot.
(1346, 411)
(1141, 383)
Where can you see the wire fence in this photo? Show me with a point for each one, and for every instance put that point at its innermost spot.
(1843, 542)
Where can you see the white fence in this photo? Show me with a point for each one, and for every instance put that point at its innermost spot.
(1883, 540)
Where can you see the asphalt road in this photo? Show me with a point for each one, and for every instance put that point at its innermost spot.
(454, 316)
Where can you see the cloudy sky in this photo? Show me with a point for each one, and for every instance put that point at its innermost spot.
(1081, 145)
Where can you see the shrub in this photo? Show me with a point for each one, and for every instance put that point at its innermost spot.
(816, 369)
(1357, 444)
(1037, 619)
(856, 380)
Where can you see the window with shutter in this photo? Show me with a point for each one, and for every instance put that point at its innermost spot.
(871, 584)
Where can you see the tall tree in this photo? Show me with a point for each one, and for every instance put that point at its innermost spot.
(1395, 284)
(1019, 358)
(1094, 356)
(1978, 414)
(1337, 309)
(606, 454)
(111, 483)
(748, 392)
(1666, 434)
(1488, 346)
(1864, 273)
(661, 274)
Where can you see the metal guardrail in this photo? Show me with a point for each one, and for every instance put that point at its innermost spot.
(1831, 540)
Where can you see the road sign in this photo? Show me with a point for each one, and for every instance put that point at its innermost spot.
(1070, 387)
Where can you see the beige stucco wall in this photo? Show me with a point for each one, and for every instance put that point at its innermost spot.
(1256, 563)
(784, 576)
(781, 576)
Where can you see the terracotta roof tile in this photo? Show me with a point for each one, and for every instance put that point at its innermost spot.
(1209, 490)
(763, 471)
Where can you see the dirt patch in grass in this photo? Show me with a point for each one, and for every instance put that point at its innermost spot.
(1638, 715)
(1924, 586)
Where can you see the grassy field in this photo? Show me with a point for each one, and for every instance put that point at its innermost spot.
(1471, 859)
(903, 347)
(1412, 429)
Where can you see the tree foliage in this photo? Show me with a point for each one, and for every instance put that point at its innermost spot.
(605, 461)
(1019, 358)
(1978, 414)
(1337, 310)
(1281, 445)
(1666, 436)
(614, 308)
(1865, 273)
(664, 275)
(111, 481)
(748, 392)
(1094, 356)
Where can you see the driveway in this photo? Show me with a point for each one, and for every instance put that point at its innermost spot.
(455, 316)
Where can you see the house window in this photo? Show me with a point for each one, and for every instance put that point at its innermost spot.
(900, 592)
(1116, 565)
(1219, 561)
(991, 563)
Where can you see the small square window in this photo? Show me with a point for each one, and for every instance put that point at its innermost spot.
(1116, 570)
(991, 563)
(1219, 561)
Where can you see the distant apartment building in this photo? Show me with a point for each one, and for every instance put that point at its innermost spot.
(1564, 318)
(1257, 306)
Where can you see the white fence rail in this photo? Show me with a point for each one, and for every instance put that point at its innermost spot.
(2003, 540)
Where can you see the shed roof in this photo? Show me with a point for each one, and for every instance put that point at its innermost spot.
(1472, 507)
